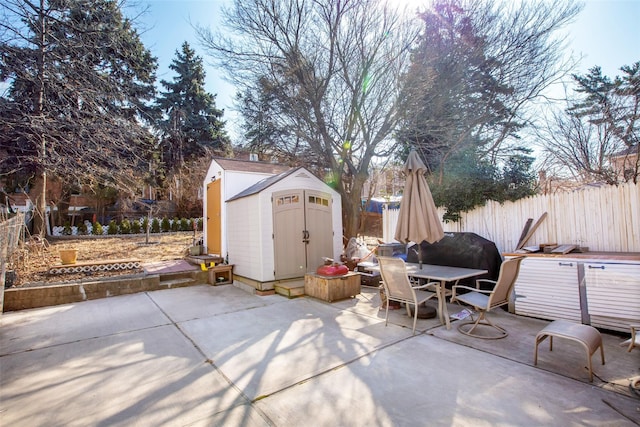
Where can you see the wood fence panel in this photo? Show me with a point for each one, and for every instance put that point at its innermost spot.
(603, 218)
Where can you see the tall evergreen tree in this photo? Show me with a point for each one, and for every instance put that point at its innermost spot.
(191, 123)
(616, 103)
(474, 74)
(78, 77)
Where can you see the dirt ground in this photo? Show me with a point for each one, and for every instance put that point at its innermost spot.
(32, 262)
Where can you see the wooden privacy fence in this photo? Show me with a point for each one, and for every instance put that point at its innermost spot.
(605, 218)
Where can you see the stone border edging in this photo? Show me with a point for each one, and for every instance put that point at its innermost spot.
(43, 296)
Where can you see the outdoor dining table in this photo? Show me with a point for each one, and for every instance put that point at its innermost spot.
(441, 273)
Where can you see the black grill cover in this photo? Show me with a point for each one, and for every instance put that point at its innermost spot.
(461, 250)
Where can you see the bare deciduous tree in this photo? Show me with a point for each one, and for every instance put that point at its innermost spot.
(578, 149)
(332, 68)
(600, 121)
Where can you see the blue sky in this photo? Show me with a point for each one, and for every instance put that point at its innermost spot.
(606, 33)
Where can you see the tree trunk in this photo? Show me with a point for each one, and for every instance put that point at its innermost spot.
(40, 204)
(40, 184)
(352, 204)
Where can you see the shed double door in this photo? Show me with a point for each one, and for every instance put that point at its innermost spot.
(303, 232)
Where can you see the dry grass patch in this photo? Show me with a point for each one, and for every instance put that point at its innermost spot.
(32, 265)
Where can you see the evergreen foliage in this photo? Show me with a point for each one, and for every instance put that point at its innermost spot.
(112, 228)
(78, 78)
(82, 228)
(125, 226)
(191, 122)
(614, 108)
(165, 224)
(472, 75)
(97, 229)
(155, 225)
(471, 181)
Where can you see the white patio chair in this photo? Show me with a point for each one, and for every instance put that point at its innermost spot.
(398, 288)
(485, 300)
(634, 341)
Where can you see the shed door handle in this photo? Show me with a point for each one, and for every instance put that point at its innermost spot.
(601, 267)
(565, 264)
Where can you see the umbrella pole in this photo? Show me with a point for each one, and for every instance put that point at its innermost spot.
(420, 255)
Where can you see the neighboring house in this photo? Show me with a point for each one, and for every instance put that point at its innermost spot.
(271, 226)
(626, 164)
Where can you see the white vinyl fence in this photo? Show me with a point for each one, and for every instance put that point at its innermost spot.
(603, 218)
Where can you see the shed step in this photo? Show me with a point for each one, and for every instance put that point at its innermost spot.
(177, 283)
(290, 290)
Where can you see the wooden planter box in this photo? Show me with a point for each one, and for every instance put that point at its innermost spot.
(332, 288)
(221, 275)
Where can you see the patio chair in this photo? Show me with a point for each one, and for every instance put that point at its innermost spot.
(484, 301)
(398, 288)
(634, 341)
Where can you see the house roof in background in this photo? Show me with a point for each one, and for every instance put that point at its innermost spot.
(627, 151)
(250, 166)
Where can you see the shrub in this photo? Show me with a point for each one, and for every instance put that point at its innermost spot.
(200, 224)
(145, 224)
(135, 227)
(97, 229)
(82, 228)
(185, 224)
(175, 224)
(66, 229)
(165, 225)
(112, 228)
(155, 225)
(125, 226)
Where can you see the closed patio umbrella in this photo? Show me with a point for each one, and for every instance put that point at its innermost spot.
(418, 217)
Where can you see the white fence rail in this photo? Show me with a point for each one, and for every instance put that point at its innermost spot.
(601, 218)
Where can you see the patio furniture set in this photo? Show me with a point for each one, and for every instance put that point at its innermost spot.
(400, 282)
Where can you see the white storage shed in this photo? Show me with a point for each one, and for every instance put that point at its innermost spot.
(224, 179)
(281, 227)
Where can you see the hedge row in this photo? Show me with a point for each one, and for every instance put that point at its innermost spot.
(130, 227)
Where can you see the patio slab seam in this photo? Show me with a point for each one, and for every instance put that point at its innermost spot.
(83, 339)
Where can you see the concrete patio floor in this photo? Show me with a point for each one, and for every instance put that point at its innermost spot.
(205, 355)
